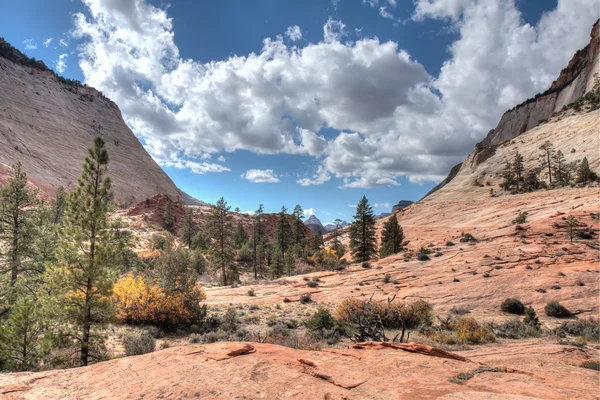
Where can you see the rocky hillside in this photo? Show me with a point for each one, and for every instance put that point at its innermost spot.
(48, 123)
(574, 81)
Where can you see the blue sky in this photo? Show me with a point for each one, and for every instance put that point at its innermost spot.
(344, 98)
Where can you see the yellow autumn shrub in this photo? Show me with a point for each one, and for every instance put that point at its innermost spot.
(139, 302)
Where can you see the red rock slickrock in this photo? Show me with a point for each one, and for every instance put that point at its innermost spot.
(263, 371)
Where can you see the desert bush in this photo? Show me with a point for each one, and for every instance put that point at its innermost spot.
(531, 318)
(138, 302)
(556, 310)
(468, 330)
(450, 244)
(513, 306)
(251, 293)
(286, 300)
(387, 278)
(422, 257)
(312, 284)
(195, 338)
(325, 327)
(459, 310)
(521, 218)
(160, 241)
(467, 237)
(514, 329)
(295, 340)
(591, 364)
(230, 321)
(588, 329)
(393, 315)
(365, 265)
(138, 342)
(245, 253)
(306, 298)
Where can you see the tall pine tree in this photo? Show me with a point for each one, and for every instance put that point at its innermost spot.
(169, 217)
(188, 229)
(220, 223)
(283, 232)
(584, 173)
(299, 232)
(391, 237)
(546, 158)
(241, 237)
(258, 253)
(16, 228)
(362, 232)
(83, 278)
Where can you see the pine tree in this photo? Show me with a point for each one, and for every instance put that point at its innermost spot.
(21, 336)
(241, 237)
(277, 264)
(169, 218)
(16, 200)
(336, 245)
(83, 278)
(282, 232)
(546, 158)
(518, 170)
(220, 223)
(584, 171)
(299, 233)
(391, 237)
(289, 262)
(257, 242)
(562, 173)
(509, 177)
(362, 232)
(58, 205)
(317, 241)
(188, 228)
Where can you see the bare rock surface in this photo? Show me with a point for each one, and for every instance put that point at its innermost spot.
(49, 126)
(264, 371)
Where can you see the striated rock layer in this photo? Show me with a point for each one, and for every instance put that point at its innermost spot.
(48, 125)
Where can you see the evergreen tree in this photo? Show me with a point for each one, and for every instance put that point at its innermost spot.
(16, 200)
(277, 262)
(391, 237)
(258, 242)
(282, 232)
(168, 217)
(336, 245)
(289, 262)
(562, 173)
(220, 222)
(362, 232)
(546, 158)
(188, 228)
(584, 172)
(241, 237)
(509, 177)
(299, 233)
(83, 278)
(21, 336)
(201, 241)
(518, 170)
(58, 205)
(317, 241)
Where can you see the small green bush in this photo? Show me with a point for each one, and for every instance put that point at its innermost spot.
(556, 310)
(312, 284)
(306, 298)
(591, 364)
(195, 338)
(513, 306)
(365, 265)
(387, 278)
(450, 244)
(251, 293)
(521, 218)
(286, 300)
(531, 319)
(138, 342)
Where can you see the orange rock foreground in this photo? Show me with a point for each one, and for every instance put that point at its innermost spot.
(231, 370)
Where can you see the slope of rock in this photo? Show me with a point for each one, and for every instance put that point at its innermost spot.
(369, 371)
(48, 124)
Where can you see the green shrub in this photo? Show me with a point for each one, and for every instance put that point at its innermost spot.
(230, 321)
(393, 315)
(531, 318)
(588, 329)
(513, 306)
(467, 237)
(514, 329)
(322, 319)
(591, 364)
(306, 298)
(195, 338)
(387, 278)
(556, 310)
(422, 257)
(138, 342)
(365, 265)
(286, 300)
(449, 244)
(521, 218)
(312, 284)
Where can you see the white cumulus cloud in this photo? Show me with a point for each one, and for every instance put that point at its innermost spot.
(260, 176)
(294, 33)
(195, 167)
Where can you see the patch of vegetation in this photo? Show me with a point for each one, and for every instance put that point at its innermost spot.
(467, 237)
(521, 218)
(513, 306)
(556, 310)
(306, 298)
(465, 376)
(251, 293)
(138, 342)
(591, 364)
(515, 329)
(587, 329)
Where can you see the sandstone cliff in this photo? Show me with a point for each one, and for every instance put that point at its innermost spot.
(48, 123)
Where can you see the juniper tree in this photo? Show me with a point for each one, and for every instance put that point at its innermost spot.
(16, 200)
(82, 280)
(168, 217)
(220, 226)
(584, 172)
(546, 158)
(362, 232)
(391, 237)
(282, 232)
(188, 228)
(241, 237)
